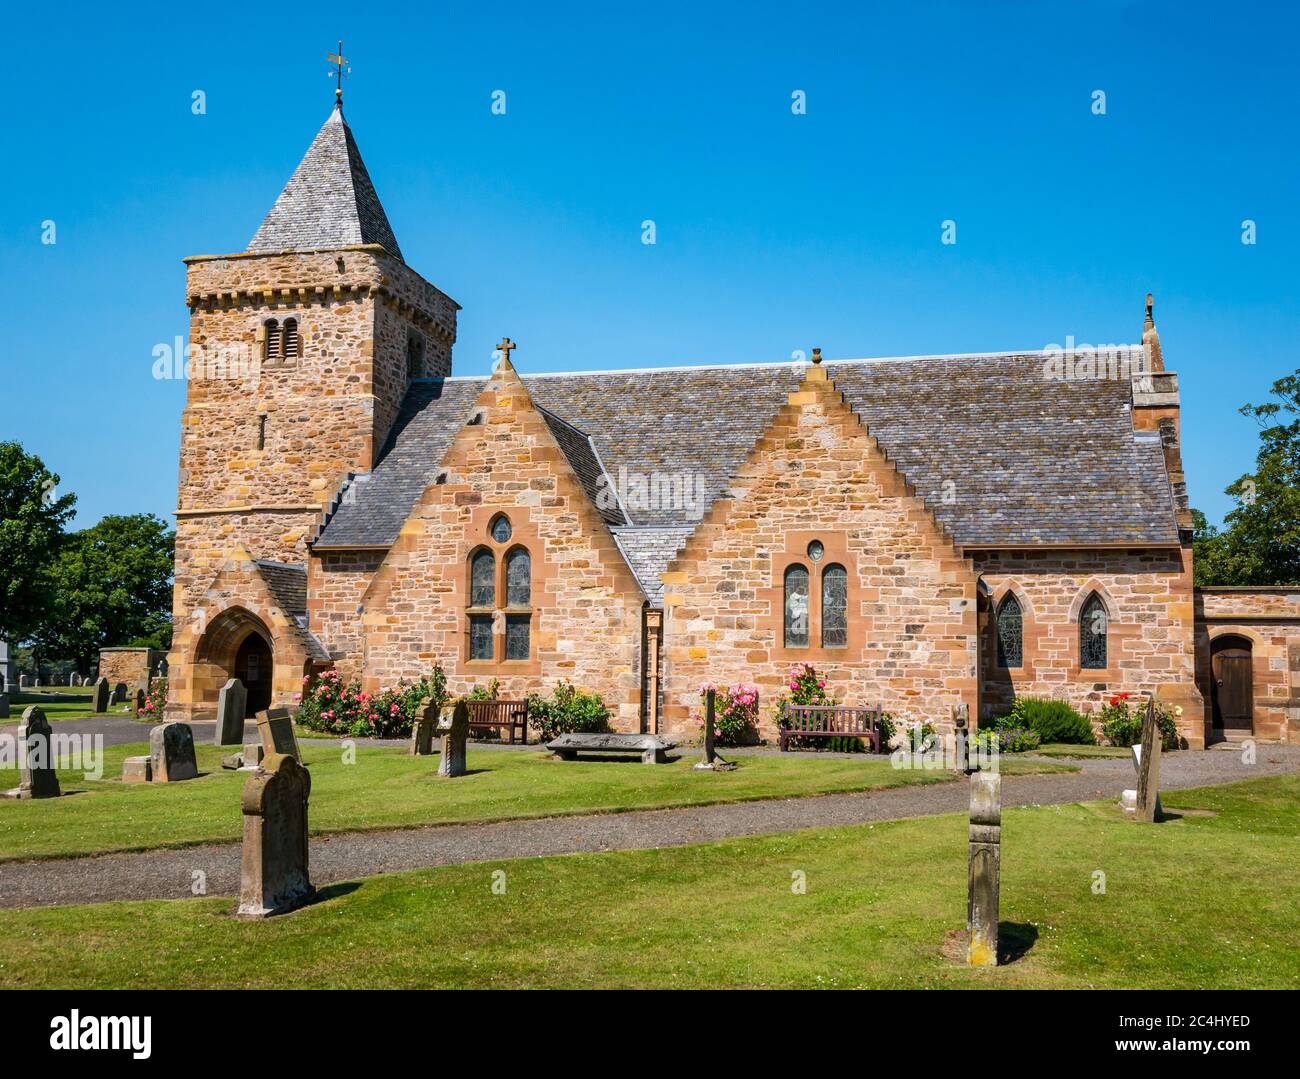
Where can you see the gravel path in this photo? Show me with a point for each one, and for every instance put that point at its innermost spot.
(168, 874)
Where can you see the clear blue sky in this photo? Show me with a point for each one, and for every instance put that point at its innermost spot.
(775, 232)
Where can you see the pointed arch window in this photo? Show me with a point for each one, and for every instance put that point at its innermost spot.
(482, 599)
(835, 606)
(796, 607)
(519, 578)
(1011, 633)
(500, 597)
(1092, 634)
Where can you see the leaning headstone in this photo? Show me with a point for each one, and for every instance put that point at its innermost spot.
(453, 725)
(985, 869)
(426, 719)
(4, 705)
(171, 749)
(276, 728)
(137, 770)
(232, 701)
(253, 755)
(102, 694)
(36, 778)
(119, 693)
(274, 876)
(1147, 761)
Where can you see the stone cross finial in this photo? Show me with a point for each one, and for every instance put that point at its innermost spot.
(1150, 320)
(507, 346)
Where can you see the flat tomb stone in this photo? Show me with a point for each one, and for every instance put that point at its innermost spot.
(137, 770)
(652, 748)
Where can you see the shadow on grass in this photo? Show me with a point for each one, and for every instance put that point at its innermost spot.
(1015, 939)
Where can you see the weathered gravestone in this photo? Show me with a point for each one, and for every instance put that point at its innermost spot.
(709, 760)
(4, 705)
(36, 778)
(232, 703)
(137, 770)
(276, 729)
(426, 719)
(453, 725)
(961, 738)
(101, 695)
(985, 869)
(274, 876)
(171, 753)
(139, 702)
(1147, 759)
(119, 693)
(22, 681)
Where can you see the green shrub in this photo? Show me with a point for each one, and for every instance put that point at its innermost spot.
(569, 711)
(333, 706)
(1017, 739)
(1052, 721)
(1122, 718)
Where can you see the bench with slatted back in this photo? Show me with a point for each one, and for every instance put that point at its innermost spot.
(831, 721)
(499, 715)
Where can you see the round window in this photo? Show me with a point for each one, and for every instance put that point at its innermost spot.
(500, 528)
(816, 550)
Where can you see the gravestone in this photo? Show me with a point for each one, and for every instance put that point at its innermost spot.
(276, 729)
(171, 751)
(1147, 761)
(426, 719)
(4, 705)
(22, 681)
(101, 695)
(710, 761)
(274, 876)
(139, 701)
(137, 770)
(984, 869)
(232, 703)
(36, 778)
(119, 693)
(37, 683)
(453, 725)
(961, 737)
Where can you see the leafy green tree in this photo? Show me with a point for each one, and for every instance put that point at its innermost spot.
(111, 586)
(1261, 543)
(32, 516)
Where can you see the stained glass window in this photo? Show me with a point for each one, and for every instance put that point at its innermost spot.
(835, 606)
(796, 607)
(816, 550)
(519, 573)
(480, 636)
(517, 636)
(1092, 634)
(501, 530)
(1011, 642)
(482, 580)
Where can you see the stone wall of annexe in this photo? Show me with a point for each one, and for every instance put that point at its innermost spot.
(1267, 622)
(818, 474)
(1147, 594)
(585, 606)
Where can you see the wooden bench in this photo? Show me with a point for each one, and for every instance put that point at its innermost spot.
(651, 748)
(499, 715)
(831, 721)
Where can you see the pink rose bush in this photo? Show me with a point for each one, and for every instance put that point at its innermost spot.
(735, 713)
(332, 706)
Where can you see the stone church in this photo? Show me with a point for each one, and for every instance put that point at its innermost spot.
(927, 531)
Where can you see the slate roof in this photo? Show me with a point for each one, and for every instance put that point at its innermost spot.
(1030, 460)
(329, 201)
(288, 584)
(648, 551)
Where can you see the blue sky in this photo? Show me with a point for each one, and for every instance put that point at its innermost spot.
(775, 232)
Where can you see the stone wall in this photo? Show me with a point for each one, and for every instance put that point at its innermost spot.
(1150, 631)
(336, 587)
(1269, 619)
(133, 666)
(585, 607)
(817, 474)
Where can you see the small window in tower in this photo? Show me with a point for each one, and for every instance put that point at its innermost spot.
(414, 354)
(273, 346)
(261, 431)
(292, 343)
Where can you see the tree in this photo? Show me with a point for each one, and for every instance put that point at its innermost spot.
(32, 516)
(111, 586)
(1261, 544)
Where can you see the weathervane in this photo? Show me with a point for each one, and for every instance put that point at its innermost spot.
(341, 68)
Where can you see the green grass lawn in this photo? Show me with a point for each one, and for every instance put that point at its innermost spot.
(1200, 901)
(1063, 749)
(386, 788)
(82, 709)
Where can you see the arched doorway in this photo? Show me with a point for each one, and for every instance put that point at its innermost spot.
(253, 668)
(1232, 683)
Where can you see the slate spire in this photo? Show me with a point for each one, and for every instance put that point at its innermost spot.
(329, 201)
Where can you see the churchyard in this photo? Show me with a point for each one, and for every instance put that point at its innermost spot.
(824, 908)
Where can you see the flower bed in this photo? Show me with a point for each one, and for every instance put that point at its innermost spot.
(332, 706)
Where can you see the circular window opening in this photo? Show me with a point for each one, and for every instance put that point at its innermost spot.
(816, 550)
(500, 529)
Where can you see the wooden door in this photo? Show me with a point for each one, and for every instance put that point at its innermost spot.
(1233, 689)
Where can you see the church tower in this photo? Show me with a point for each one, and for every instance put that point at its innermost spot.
(301, 350)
